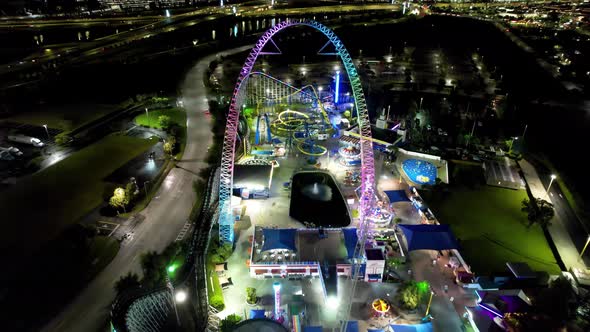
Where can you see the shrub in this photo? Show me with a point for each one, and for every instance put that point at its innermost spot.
(216, 301)
(229, 322)
(251, 295)
(62, 139)
(164, 121)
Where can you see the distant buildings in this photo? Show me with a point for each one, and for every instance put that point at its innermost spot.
(143, 4)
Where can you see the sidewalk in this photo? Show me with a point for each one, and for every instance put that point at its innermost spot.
(563, 242)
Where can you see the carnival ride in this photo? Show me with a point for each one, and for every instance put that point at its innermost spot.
(238, 99)
(299, 128)
(350, 155)
(379, 215)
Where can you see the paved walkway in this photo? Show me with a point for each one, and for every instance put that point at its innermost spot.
(558, 229)
(446, 313)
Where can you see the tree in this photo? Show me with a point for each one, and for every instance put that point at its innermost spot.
(228, 323)
(128, 281)
(164, 121)
(130, 190)
(394, 262)
(119, 199)
(251, 297)
(538, 211)
(346, 114)
(557, 301)
(221, 253)
(170, 145)
(154, 268)
(409, 295)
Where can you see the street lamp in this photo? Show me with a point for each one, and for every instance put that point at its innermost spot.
(47, 131)
(145, 187)
(585, 246)
(148, 116)
(553, 176)
(420, 107)
(180, 296)
(512, 143)
(429, 303)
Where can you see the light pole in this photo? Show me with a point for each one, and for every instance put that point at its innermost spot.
(420, 107)
(524, 131)
(553, 176)
(148, 116)
(512, 143)
(179, 296)
(46, 131)
(429, 303)
(145, 187)
(585, 246)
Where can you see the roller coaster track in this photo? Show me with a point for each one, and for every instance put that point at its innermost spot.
(143, 310)
(228, 157)
(313, 94)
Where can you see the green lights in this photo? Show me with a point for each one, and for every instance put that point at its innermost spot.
(171, 268)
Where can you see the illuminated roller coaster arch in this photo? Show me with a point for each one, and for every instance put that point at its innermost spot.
(226, 218)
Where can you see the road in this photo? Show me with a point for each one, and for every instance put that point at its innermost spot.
(162, 219)
(566, 215)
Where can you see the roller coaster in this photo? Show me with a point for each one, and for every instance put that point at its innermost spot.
(300, 128)
(242, 96)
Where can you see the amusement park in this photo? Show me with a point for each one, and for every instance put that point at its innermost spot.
(312, 225)
(294, 166)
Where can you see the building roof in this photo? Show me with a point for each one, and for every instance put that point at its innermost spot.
(425, 327)
(521, 270)
(312, 329)
(259, 325)
(397, 196)
(252, 176)
(430, 237)
(350, 240)
(483, 319)
(279, 239)
(374, 254)
(257, 313)
(503, 301)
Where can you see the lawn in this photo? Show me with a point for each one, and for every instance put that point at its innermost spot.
(102, 251)
(493, 230)
(66, 117)
(42, 205)
(176, 116)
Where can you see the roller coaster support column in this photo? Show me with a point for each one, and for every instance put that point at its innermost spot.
(337, 88)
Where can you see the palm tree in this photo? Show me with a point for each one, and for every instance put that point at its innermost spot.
(539, 211)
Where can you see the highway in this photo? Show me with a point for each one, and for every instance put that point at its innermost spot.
(161, 220)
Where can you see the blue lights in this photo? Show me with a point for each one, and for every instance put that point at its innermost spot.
(337, 89)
